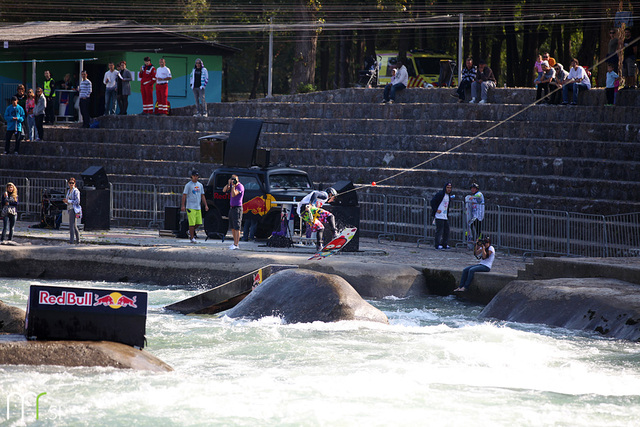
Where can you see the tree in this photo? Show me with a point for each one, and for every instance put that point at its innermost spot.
(304, 61)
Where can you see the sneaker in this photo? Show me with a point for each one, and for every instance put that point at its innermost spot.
(194, 241)
(565, 103)
(233, 247)
(482, 101)
(473, 101)
(439, 248)
(15, 153)
(390, 101)
(574, 103)
(205, 115)
(447, 247)
(384, 102)
(196, 115)
(38, 140)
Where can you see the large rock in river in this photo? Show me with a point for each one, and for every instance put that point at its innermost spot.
(608, 306)
(11, 319)
(302, 296)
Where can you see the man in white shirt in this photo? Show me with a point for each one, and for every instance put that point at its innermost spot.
(163, 75)
(399, 81)
(110, 80)
(577, 80)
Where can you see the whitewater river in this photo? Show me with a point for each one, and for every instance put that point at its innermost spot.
(435, 364)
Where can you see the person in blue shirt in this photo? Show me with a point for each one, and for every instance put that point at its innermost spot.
(14, 116)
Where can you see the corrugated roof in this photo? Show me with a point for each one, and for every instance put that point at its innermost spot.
(106, 35)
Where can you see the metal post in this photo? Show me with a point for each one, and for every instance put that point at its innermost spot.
(532, 230)
(33, 75)
(155, 205)
(384, 205)
(80, 118)
(568, 233)
(460, 43)
(270, 79)
(605, 247)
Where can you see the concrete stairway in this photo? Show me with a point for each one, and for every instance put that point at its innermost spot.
(584, 158)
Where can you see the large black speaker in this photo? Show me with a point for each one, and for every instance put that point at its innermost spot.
(95, 176)
(347, 196)
(95, 209)
(72, 313)
(346, 216)
(171, 218)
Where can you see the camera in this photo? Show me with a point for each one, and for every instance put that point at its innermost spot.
(234, 181)
(481, 242)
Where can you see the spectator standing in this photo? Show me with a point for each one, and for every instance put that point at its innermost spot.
(38, 113)
(31, 120)
(9, 210)
(72, 199)
(577, 80)
(439, 211)
(67, 83)
(84, 91)
(484, 80)
(548, 74)
(611, 88)
(147, 76)
(49, 90)
(549, 59)
(486, 254)
(124, 87)
(399, 81)
(192, 200)
(556, 84)
(236, 190)
(538, 68)
(163, 75)
(110, 80)
(468, 77)
(198, 80)
(629, 66)
(14, 116)
(22, 96)
(474, 205)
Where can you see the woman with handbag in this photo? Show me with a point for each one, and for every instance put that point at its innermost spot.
(9, 210)
(72, 199)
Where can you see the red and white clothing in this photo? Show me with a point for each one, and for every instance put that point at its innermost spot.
(147, 76)
(163, 75)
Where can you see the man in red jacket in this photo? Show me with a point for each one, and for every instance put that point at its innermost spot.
(147, 76)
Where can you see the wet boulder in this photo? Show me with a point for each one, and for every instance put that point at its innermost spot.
(11, 319)
(303, 296)
(608, 306)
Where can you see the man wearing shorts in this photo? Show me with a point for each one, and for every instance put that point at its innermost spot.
(236, 191)
(192, 200)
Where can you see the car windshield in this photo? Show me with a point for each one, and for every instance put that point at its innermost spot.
(286, 181)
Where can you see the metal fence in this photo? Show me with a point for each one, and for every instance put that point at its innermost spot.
(530, 231)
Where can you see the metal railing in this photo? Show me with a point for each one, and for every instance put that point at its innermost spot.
(530, 231)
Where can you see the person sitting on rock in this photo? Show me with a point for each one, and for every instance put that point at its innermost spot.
(314, 218)
(486, 254)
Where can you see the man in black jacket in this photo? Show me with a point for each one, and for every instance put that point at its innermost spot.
(439, 210)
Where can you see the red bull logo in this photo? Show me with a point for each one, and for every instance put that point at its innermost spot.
(115, 300)
(66, 298)
(257, 279)
(259, 205)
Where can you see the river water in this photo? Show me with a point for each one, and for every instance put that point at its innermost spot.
(435, 364)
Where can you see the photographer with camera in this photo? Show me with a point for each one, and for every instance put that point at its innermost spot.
(235, 210)
(486, 254)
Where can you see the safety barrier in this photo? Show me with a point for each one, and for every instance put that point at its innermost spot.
(530, 231)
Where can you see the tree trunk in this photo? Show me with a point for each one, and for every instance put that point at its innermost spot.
(325, 63)
(258, 68)
(304, 61)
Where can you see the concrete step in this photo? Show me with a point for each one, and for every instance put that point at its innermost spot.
(473, 162)
(584, 189)
(624, 151)
(112, 151)
(521, 129)
(122, 136)
(595, 97)
(422, 111)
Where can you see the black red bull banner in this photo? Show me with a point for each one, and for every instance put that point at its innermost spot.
(69, 313)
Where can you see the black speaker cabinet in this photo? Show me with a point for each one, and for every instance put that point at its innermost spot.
(171, 218)
(95, 314)
(346, 216)
(347, 196)
(263, 157)
(95, 176)
(95, 209)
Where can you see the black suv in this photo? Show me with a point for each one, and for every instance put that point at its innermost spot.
(263, 189)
